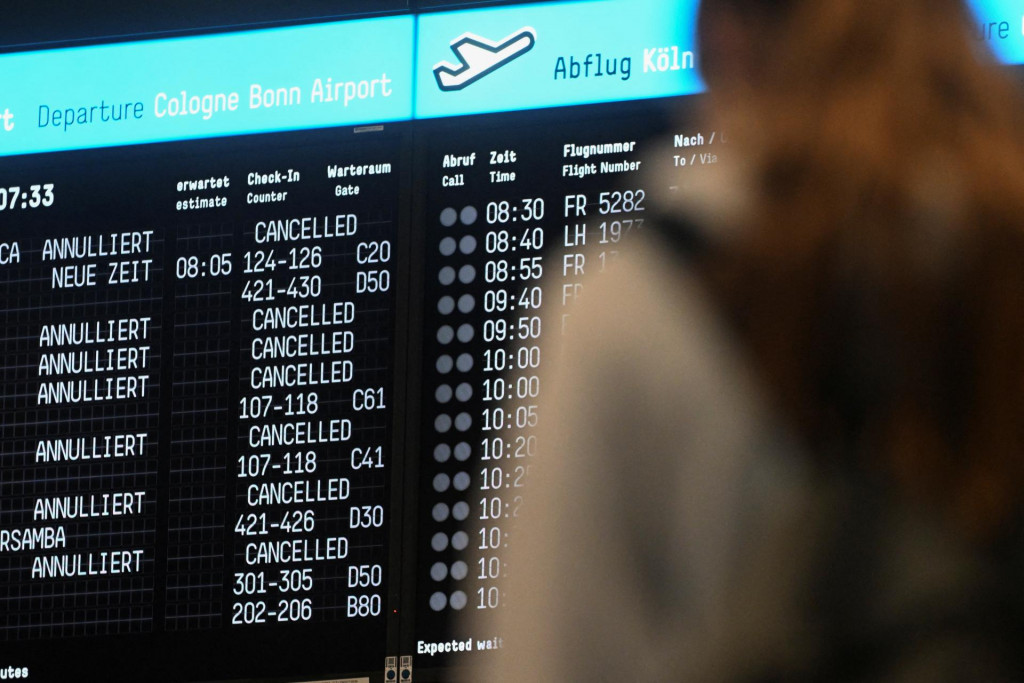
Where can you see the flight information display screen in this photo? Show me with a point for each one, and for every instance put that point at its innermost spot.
(199, 395)
(272, 344)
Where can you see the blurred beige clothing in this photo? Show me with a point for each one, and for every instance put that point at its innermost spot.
(670, 528)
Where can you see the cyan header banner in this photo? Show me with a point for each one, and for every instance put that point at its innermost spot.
(372, 70)
(557, 54)
(272, 80)
(1000, 25)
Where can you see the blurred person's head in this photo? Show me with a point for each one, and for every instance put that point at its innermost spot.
(880, 282)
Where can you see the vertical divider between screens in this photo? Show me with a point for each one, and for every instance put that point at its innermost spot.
(414, 441)
(408, 319)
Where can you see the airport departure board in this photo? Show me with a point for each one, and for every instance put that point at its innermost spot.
(274, 314)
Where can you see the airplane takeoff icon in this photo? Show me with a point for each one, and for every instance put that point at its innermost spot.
(479, 57)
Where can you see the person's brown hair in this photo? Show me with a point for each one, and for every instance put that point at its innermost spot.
(880, 287)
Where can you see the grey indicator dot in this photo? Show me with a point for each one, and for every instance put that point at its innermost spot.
(446, 305)
(442, 452)
(443, 393)
(441, 482)
(440, 512)
(466, 333)
(464, 392)
(438, 601)
(460, 570)
(460, 540)
(448, 217)
(461, 511)
(442, 423)
(462, 481)
(467, 245)
(469, 215)
(446, 276)
(463, 451)
(446, 335)
(448, 246)
(467, 274)
(467, 303)
(445, 364)
(439, 542)
(465, 362)
(439, 572)
(463, 422)
(459, 601)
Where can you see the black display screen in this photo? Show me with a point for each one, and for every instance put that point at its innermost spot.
(269, 400)
(200, 394)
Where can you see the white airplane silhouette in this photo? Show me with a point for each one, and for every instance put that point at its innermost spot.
(479, 56)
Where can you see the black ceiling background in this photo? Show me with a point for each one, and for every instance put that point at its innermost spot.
(35, 24)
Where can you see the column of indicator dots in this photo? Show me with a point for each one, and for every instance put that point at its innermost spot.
(453, 422)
